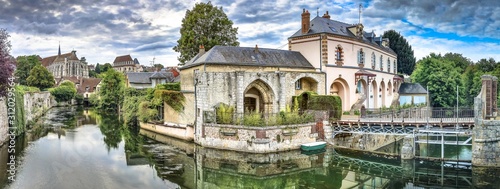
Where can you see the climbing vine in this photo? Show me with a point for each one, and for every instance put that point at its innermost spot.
(174, 99)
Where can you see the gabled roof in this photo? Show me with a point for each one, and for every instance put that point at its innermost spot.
(59, 58)
(411, 88)
(69, 56)
(248, 56)
(326, 25)
(48, 61)
(88, 82)
(123, 58)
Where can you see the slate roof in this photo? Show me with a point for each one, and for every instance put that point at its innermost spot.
(249, 56)
(411, 88)
(73, 79)
(326, 25)
(139, 77)
(145, 77)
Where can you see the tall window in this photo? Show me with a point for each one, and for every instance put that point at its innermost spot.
(298, 84)
(381, 63)
(395, 68)
(373, 60)
(339, 55)
(361, 57)
(388, 65)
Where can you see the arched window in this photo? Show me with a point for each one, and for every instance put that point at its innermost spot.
(361, 58)
(373, 60)
(339, 55)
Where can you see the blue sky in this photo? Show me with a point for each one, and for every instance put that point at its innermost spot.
(100, 30)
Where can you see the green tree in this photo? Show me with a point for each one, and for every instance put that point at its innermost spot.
(158, 66)
(6, 62)
(406, 59)
(206, 25)
(64, 92)
(471, 80)
(24, 66)
(486, 65)
(40, 77)
(105, 68)
(458, 60)
(97, 68)
(111, 93)
(441, 77)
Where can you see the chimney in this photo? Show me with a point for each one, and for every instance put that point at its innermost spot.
(305, 21)
(326, 15)
(256, 50)
(202, 50)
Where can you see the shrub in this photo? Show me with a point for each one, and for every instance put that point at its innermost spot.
(174, 99)
(147, 114)
(253, 119)
(225, 114)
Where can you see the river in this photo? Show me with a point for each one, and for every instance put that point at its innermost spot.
(76, 148)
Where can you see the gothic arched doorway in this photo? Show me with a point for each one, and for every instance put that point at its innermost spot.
(258, 97)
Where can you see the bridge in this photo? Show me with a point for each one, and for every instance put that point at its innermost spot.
(406, 121)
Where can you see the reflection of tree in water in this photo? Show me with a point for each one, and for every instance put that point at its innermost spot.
(133, 141)
(110, 127)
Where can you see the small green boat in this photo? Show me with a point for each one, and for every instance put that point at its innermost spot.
(313, 146)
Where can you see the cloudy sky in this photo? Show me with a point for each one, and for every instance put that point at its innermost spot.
(100, 30)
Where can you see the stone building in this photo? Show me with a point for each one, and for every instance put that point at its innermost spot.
(359, 65)
(66, 65)
(249, 79)
(126, 64)
(143, 80)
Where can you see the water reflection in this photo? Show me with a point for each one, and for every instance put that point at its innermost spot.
(76, 148)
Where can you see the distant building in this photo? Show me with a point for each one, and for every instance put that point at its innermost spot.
(143, 80)
(66, 65)
(412, 93)
(84, 86)
(91, 67)
(126, 64)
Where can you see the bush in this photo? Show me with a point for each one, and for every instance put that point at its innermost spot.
(63, 93)
(169, 86)
(79, 98)
(146, 114)
(225, 114)
(253, 119)
(174, 99)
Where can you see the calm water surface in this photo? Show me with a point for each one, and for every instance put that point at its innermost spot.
(76, 148)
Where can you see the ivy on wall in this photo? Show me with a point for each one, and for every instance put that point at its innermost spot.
(170, 94)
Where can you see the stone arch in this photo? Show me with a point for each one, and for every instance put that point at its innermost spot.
(389, 88)
(306, 84)
(258, 96)
(340, 87)
(383, 94)
(373, 95)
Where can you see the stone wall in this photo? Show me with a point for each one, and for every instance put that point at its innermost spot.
(4, 124)
(366, 142)
(256, 139)
(176, 131)
(486, 132)
(36, 104)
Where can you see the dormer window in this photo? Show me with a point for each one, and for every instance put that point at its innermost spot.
(361, 58)
(381, 63)
(373, 60)
(339, 55)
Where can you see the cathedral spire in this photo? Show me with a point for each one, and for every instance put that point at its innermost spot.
(59, 53)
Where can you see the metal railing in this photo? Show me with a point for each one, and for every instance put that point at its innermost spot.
(420, 114)
(258, 118)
